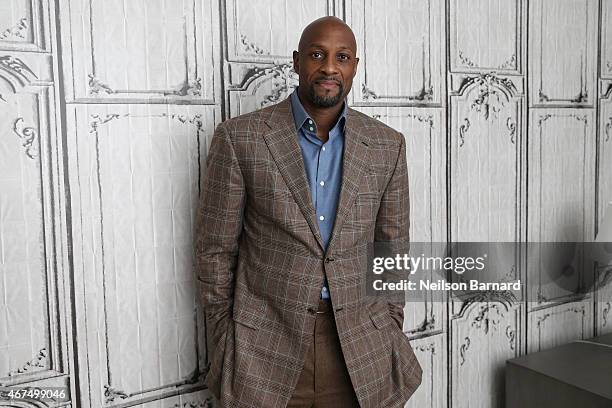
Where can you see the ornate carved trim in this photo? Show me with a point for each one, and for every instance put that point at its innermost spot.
(16, 30)
(510, 334)
(511, 125)
(28, 136)
(251, 46)
(97, 120)
(544, 118)
(608, 129)
(111, 393)
(464, 347)
(582, 96)
(463, 130)
(207, 403)
(466, 61)
(427, 119)
(17, 69)
(604, 313)
(506, 298)
(428, 323)
(191, 87)
(431, 347)
(485, 320)
(424, 94)
(283, 78)
(505, 85)
(509, 63)
(39, 361)
(96, 86)
(543, 318)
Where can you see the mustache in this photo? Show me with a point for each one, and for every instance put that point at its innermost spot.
(336, 80)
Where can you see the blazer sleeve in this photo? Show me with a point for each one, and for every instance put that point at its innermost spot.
(393, 219)
(217, 234)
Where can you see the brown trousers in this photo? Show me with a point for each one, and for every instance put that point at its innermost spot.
(324, 381)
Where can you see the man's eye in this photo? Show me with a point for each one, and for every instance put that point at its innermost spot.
(343, 57)
(316, 55)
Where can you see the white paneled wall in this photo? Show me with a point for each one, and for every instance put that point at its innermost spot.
(106, 113)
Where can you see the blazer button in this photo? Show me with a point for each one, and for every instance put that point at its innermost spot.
(311, 310)
(328, 259)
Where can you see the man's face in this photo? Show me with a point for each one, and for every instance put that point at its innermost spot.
(326, 65)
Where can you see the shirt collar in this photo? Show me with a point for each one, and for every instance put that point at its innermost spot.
(301, 117)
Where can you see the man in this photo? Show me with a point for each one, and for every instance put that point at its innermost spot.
(293, 194)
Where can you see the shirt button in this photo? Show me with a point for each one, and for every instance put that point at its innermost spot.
(323, 148)
(322, 183)
(311, 129)
(309, 121)
(321, 218)
(324, 289)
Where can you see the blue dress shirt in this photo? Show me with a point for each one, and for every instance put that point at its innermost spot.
(323, 162)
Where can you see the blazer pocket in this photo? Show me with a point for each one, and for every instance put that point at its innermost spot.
(368, 195)
(381, 319)
(247, 320)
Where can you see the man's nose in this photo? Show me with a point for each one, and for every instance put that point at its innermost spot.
(329, 66)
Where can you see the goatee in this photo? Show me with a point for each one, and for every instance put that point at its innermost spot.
(325, 101)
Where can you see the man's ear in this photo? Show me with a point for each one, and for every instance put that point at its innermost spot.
(296, 62)
(356, 64)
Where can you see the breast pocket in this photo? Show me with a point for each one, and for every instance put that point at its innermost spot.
(272, 199)
(368, 199)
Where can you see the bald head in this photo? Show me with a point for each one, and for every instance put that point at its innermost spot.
(326, 63)
(322, 26)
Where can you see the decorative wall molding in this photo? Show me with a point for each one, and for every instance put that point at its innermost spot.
(465, 60)
(424, 94)
(15, 31)
(482, 40)
(576, 320)
(98, 51)
(510, 63)
(465, 126)
(422, 40)
(191, 87)
(283, 19)
(19, 74)
(510, 334)
(582, 96)
(264, 84)
(464, 348)
(604, 313)
(39, 361)
(207, 403)
(113, 390)
(252, 47)
(492, 94)
(28, 135)
(562, 78)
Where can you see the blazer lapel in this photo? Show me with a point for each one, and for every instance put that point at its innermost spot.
(282, 141)
(354, 165)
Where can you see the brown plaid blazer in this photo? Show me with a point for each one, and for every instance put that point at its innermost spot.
(260, 260)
